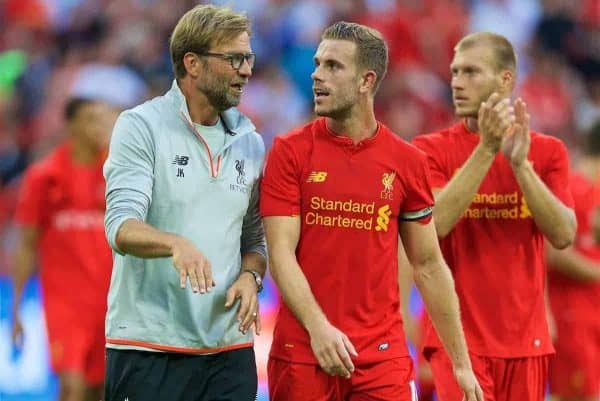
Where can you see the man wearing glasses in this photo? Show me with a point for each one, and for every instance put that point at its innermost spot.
(182, 217)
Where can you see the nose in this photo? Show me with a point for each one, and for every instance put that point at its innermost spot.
(456, 82)
(245, 70)
(315, 75)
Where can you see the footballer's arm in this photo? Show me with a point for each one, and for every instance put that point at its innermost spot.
(405, 283)
(553, 218)
(572, 263)
(436, 286)
(331, 347)
(494, 119)
(453, 200)
(23, 270)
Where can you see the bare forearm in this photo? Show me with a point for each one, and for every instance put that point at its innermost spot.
(554, 219)
(573, 264)
(144, 241)
(452, 201)
(254, 261)
(436, 286)
(23, 270)
(405, 281)
(295, 290)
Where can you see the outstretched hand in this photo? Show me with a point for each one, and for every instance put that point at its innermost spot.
(193, 265)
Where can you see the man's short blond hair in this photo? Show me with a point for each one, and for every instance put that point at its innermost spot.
(202, 28)
(371, 49)
(505, 57)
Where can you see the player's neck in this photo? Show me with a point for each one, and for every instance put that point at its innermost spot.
(472, 125)
(82, 154)
(201, 111)
(356, 127)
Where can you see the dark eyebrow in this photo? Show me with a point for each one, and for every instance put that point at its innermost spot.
(331, 61)
(454, 67)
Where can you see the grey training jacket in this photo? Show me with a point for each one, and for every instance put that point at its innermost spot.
(158, 171)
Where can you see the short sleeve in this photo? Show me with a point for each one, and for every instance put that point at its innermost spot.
(31, 200)
(418, 200)
(556, 173)
(280, 187)
(435, 160)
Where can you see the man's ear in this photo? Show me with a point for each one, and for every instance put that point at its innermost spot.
(192, 62)
(507, 80)
(368, 81)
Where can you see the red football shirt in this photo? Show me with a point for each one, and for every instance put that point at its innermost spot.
(350, 198)
(572, 299)
(65, 202)
(495, 250)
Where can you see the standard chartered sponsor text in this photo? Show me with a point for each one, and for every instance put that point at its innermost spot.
(360, 222)
(480, 209)
(489, 213)
(318, 203)
(496, 198)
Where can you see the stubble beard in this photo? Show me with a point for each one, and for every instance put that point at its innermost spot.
(217, 93)
(466, 114)
(341, 110)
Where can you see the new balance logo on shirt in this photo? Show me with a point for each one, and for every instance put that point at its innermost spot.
(180, 160)
(317, 176)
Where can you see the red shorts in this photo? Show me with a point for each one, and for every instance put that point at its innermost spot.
(77, 347)
(575, 369)
(501, 379)
(390, 380)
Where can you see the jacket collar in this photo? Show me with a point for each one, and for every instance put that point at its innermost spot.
(235, 123)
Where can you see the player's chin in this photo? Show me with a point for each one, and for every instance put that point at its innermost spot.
(233, 100)
(321, 111)
(465, 112)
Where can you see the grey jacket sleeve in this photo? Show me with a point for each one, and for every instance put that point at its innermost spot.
(129, 174)
(253, 235)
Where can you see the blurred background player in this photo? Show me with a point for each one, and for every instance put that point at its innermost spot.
(500, 189)
(574, 287)
(337, 196)
(60, 213)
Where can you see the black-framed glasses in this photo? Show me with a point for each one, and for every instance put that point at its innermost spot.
(235, 59)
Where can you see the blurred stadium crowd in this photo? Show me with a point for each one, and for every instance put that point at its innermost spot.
(117, 50)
